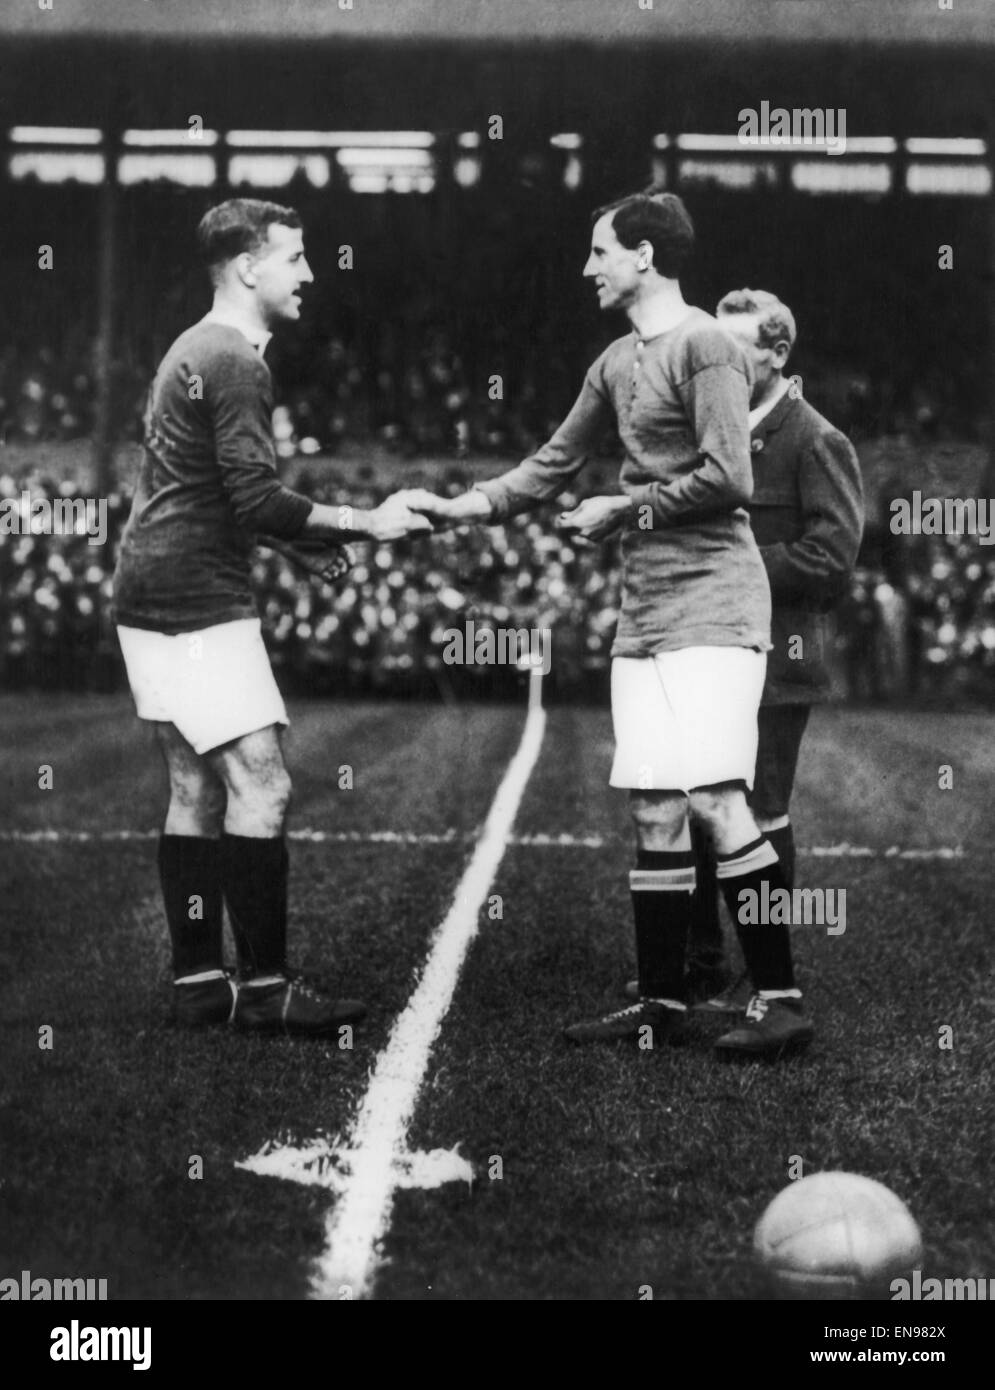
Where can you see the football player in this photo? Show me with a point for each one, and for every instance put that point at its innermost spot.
(807, 514)
(689, 653)
(190, 635)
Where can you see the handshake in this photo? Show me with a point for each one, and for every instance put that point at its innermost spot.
(415, 509)
(411, 510)
(323, 551)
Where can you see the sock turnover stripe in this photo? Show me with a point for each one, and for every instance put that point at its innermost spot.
(662, 880)
(755, 857)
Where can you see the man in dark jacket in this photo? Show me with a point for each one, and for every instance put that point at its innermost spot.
(807, 516)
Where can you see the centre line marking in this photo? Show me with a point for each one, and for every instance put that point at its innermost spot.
(359, 1220)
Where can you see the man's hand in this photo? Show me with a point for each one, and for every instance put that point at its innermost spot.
(326, 560)
(394, 518)
(596, 518)
(448, 511)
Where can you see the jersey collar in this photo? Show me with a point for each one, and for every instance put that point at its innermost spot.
(258, 337)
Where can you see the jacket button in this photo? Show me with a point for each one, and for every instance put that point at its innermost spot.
(756, 445)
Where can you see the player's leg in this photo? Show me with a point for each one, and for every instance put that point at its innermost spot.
(707, 975)
(649, 762)
(189, 859)
(751, 880)
(254, 860)
(715, 696)
(780, 729)
(662, 890)
(159, 668)
(255, 878)
(217, 687)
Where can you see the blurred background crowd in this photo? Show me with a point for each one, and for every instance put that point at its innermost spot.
(427, 401)
(919, 619)
(455, 344)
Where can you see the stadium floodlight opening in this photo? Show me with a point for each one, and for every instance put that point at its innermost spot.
(277, 170)
(468, 140)
(51, 166)
(717, 143)
(401, 159)
(466, 170)
(661, 142)
(566, 141)
(330, 139)
(960, 148)
(949, 180)
(190, 170)
(871, 144)
(369, 183)
(834, 176)
(153, 138)
(54, 135)
(728, 173)
(387, 170)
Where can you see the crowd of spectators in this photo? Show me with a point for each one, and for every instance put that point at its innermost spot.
(425, 401)
(430, 404)
(384, 627)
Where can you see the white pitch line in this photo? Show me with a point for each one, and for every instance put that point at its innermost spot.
(340, 837)
(358, 1221)
(937, 854)
(316, 837)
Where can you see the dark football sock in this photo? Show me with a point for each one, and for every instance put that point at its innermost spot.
(254, 876)
(190, 877)
(783, 840)
(706, 954)
(766, 945)
(662, 886)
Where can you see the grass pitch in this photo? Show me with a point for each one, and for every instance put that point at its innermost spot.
(598, 1171)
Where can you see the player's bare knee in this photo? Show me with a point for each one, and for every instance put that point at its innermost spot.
(725, 814)
(196, 810)
(658, 813)
(721, 800)
(278, 791)
(267, 795)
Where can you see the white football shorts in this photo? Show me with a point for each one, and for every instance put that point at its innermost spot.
(686, 718)
(215, 684)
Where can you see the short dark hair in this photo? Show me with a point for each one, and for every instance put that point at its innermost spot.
(659, 218)
(775, 321)
(238, 225)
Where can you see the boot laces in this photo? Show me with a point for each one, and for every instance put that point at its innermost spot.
(629, 1012)
(756, 1009)
(303, 986)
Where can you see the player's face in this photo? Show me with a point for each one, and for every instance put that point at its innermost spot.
(281, 269)
(612, 267)
(765, 361)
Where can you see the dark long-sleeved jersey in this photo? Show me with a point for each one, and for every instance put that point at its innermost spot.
(679, 401)
(207, 484)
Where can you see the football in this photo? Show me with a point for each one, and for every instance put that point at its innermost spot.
(836, 1236)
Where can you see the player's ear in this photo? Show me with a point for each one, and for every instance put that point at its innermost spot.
(644, 255)
(245, 267)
